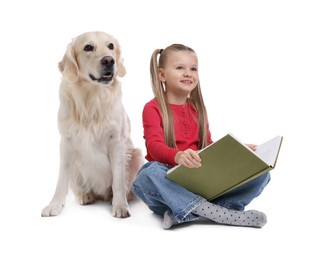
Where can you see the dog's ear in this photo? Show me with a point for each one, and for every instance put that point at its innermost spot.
(121, 71)
(68, 66)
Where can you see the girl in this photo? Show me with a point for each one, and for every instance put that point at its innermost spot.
(175, 127)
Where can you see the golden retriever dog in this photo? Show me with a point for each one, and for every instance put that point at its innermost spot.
(98, 160)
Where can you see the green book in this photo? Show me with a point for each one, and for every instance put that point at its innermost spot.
(226, 164)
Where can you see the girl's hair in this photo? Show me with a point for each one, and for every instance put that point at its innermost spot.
(195, 97)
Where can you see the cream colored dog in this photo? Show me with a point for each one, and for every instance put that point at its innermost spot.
(97, 156)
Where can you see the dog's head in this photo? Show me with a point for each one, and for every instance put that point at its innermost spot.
(93, 56)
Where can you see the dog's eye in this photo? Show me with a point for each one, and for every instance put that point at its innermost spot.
(88, 47)
(111, 46)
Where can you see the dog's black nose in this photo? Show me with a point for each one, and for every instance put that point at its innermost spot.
(107, 61)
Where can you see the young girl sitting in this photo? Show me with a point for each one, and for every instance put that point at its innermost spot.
(175, 128)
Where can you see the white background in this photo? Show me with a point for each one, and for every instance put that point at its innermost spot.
(258, 65)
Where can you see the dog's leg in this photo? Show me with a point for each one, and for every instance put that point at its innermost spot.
(120, 208)
(58, 201)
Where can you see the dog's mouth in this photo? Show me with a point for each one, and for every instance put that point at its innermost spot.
(106, 78)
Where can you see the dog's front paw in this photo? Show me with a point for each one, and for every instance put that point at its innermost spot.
(120, 211)
(53, 209)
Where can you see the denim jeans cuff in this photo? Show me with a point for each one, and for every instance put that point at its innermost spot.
(185, 214)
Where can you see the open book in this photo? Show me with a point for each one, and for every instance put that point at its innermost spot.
(226, 164)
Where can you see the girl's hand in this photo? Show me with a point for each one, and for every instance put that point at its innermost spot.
(188, 158)
(252, 146)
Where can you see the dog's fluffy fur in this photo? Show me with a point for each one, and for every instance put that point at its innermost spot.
(97, 156)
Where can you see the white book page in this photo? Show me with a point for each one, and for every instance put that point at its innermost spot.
(268, 151)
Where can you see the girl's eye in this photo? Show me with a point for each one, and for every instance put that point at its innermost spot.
(179, 68)
(194, 69)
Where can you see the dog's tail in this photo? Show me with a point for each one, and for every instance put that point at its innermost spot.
(134, 164)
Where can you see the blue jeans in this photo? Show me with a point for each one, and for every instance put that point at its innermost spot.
(161, 194)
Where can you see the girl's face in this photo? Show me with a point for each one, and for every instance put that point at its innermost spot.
(180, 75)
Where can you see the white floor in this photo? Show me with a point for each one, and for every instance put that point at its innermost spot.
(90, 232)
